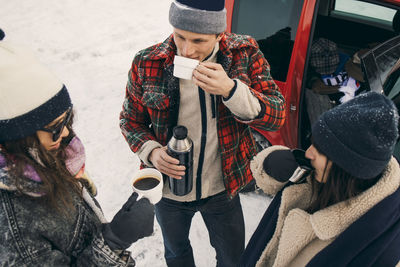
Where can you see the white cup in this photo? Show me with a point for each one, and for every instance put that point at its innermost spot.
(184, 67)
(144, 186)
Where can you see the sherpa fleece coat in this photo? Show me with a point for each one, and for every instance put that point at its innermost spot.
(361, 231)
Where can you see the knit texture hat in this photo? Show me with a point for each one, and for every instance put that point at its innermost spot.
(324, 57)
(30, 95)
(205, 16)
(359, 135)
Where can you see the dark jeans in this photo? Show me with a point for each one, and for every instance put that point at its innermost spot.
(223, 219)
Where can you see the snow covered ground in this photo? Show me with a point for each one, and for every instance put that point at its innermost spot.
(90, 45)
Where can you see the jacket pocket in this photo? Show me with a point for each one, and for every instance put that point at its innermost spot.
(155, 100)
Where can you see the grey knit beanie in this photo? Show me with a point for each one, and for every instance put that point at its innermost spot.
(359, 135)
(205, 16)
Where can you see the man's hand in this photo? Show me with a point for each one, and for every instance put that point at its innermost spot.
(212, 78)
(166, 164)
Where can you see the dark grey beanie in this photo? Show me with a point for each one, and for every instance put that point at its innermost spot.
(359, 135)
(205, 16)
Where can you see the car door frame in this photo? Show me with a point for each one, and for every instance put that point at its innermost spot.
(291, 89)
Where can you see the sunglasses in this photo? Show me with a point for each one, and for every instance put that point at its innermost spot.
(57, 129)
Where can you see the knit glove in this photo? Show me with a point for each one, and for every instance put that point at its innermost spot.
(133, 221)
(285, 165)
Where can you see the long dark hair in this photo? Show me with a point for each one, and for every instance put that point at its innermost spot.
(338, 186)
(57, 182)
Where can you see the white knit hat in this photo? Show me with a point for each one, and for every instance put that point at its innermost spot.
(30, 95)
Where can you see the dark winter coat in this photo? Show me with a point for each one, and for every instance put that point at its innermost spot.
(32, 234)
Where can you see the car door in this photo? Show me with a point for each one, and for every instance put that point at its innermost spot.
(381, 67)
(378, 63)
(282, 29)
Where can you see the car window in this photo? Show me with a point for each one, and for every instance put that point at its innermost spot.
(392, 87)
(381, 67)
(260, 18)
(378, 63)
(365, 9)
(392, 83)
(273, 23)
(395, 90)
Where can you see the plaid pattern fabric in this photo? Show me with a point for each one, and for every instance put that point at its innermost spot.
(151, 93)
(324, 57)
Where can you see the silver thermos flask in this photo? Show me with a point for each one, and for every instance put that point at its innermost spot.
(181, 147)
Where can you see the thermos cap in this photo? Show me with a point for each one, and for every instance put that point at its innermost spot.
(180, 132)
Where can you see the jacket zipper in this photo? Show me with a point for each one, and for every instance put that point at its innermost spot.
(203, 109)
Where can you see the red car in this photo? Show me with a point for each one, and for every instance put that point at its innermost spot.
(286, 30)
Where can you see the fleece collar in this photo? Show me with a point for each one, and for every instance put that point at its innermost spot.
(332, 221)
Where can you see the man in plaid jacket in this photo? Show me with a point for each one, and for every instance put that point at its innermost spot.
(231, 90)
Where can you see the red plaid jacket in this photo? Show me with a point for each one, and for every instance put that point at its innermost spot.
(151, 105)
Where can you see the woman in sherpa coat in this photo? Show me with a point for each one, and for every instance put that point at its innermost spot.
(48, 214)
(347, 211)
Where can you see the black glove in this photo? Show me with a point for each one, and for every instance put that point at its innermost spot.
(283, 165)
(133, 221)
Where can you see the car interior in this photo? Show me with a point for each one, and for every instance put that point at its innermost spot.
(352, 31)
(353, 25)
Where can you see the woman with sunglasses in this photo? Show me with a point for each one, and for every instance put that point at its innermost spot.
(48, 214)
(346, 212)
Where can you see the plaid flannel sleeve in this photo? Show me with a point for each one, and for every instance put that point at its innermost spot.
(134, 118)
(261, 84)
